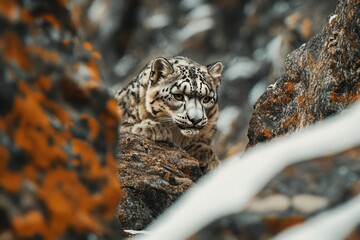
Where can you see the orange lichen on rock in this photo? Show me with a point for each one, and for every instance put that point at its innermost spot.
(14, 50)
(33, 128)
(9, 9)
(96, 54)
(301, 100)
(289, 87)
(94, 73)
(88, 46)
(92, 169)
(267, 133)
(8, 180)
(43, 83)
(46, 55)
(112, 108)
(94, 126)
(31, 224)
(290, 121)
(52, 20)
(26, 16)
(110, 118)
(61, 206)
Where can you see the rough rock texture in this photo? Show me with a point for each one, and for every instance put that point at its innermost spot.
(153, 175)
(321, 78)
(57, 128)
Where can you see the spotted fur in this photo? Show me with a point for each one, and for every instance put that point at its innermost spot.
(174, 99)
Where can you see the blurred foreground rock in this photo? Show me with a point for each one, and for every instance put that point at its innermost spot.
(321, 79)
(57, 129)
(153, 175)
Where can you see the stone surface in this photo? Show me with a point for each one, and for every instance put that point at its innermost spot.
(153, 175)
(57, 127)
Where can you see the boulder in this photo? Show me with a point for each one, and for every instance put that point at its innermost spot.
(153, 175)
(58, 126)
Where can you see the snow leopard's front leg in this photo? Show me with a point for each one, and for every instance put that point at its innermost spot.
(150, 129)
(204, 154)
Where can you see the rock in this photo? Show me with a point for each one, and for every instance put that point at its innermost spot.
(153, 175)
(321, 79)
(57, 128)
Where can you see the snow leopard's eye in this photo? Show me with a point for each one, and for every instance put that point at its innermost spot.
(178, 96)
(206, 99)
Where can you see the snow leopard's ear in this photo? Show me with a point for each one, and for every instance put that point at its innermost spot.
(160, 69)
(215, 71)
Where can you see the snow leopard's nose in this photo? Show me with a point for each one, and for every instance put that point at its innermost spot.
(195, 120)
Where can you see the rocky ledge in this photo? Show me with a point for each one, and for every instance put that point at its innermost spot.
(153, 175)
